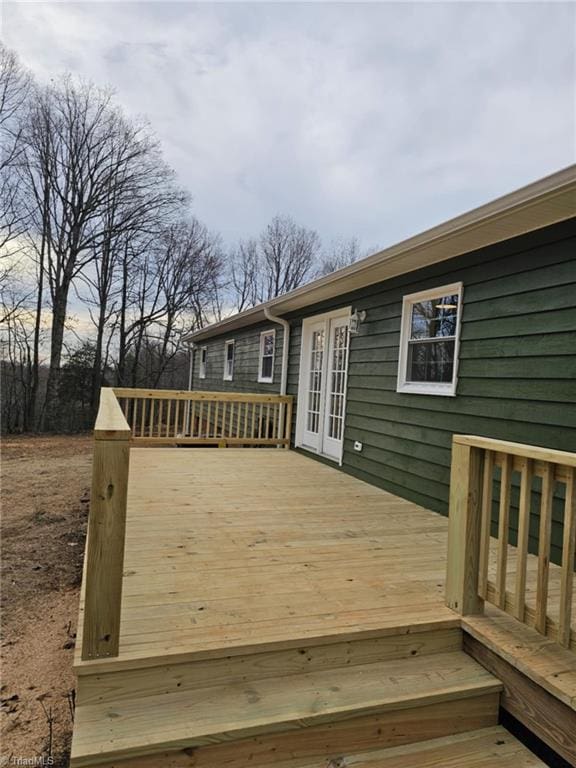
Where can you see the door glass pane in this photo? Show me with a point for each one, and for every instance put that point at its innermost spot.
(315, 382)
(338, 382)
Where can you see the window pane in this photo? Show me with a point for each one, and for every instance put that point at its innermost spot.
(434, 318)
(230, 352)
(268, 346)
(430, 361)
(266, 367)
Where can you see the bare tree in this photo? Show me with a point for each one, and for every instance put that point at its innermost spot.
(172, 283)
(90, 175)
(288, 256)
(15, 88)
(245, 274)
(341, 253)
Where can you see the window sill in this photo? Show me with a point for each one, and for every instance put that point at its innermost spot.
(265, 381)
(427, 389)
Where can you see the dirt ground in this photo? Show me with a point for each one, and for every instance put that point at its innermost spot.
(45, 496)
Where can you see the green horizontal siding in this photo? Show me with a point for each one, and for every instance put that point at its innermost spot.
(517, 367)
(246, 362)
(517, 371)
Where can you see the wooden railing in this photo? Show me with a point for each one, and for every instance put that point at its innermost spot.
(154, 417)
(164, 416)
(104, 559)
(479, 465)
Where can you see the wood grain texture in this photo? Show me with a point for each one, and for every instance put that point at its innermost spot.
(464, 530)
(103, 572)
(229, 712)
(415, 734)
(568, 555)
(110, 423)
(546, 716)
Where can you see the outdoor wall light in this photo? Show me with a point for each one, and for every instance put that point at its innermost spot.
(355, 319)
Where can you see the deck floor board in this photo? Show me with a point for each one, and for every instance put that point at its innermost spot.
(227, 549)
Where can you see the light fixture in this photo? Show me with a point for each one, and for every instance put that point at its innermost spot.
(355, 319)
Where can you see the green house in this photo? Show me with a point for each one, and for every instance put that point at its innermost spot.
(469, 327)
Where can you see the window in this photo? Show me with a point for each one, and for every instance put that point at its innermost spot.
(429, 341)
(202, 367)
(266, 364)
(229, 360)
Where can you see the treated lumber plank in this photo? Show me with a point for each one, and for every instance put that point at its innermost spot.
(168, 678)
(544, 550)
(568, 551)
(215, 714)
(523, 532)
(464, 530)
(352, 740)
(518, 449)
(105, 549)
(539, 658)
(543, 714)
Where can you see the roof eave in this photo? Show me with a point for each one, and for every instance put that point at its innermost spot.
(540, 204)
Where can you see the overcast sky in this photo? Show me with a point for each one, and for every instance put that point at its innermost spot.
(376, 120)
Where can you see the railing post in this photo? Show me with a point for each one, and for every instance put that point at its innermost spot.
(464, 530)
(106, 533)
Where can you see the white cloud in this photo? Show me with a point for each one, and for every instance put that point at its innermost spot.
(375, 120)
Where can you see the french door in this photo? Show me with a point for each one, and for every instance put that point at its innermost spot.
(322, 390)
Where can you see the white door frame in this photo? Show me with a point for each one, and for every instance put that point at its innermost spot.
(303, 376)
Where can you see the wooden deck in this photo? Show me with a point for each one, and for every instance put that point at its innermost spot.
(231, 548)
(254, 580)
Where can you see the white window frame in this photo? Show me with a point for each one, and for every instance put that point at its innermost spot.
(448, 388)
(202, 363)
(229, 375)
(266, 379)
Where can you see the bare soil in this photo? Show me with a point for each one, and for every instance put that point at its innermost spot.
(45, 495)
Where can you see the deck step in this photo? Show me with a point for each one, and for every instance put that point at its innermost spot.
(486, 748)
(293, 703)
(115, 684)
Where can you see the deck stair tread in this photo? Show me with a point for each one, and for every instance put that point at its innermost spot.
(549, 665)
(484, 748)
(247, 708)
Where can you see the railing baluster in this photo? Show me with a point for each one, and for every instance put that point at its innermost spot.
(486, 523)
(544, 549)
(223, 422)
(134, 416)
(176, 418)
(191, 426)
(160, 411)
(143, 418)
(503, 525)
(523, 532)
(288, 423)
(151, 424)
(567, 575)
(168, 415)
